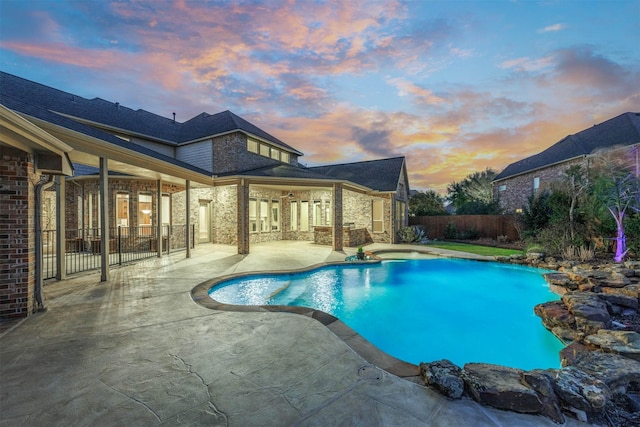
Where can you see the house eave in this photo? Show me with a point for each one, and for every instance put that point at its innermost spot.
(51, 154)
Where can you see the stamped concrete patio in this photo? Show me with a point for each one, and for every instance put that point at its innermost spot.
(137, 351)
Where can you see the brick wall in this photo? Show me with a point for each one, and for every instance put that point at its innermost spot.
(17, 233)
(520, 188)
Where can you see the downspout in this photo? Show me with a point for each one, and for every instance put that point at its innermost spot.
(38, 294)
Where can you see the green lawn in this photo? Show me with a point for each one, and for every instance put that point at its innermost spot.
(475, 249)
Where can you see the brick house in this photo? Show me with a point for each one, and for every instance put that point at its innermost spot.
(518, 181)
(216, 178)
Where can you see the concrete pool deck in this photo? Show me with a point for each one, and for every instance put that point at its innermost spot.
(137, 350)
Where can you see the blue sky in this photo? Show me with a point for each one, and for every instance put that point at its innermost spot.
(455, 86)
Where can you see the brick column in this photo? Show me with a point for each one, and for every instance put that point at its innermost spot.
(338, 237)
(159, 218)
(188, 236)
(17, 232)
(61, 228)
(104, 219)
(243, 217)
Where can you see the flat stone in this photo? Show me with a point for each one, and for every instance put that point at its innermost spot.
(501, 387)
(632, 291)
(570, 353)
(560, 279)
(614, 370)
(580, 391)
(555, 314)
(444, 376)
(588, 308)
(620, 299)
(625, 343)
(542, 382)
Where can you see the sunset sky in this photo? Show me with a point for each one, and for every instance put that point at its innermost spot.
(455, 86)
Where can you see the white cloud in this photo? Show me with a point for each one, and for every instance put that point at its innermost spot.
(552, 28)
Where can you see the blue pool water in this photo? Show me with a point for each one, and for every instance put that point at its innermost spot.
(422, 310)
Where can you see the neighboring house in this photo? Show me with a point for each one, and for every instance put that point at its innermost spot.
(214, 178)
(518, 181)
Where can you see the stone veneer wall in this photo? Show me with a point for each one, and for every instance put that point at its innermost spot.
(225, 220)
(357, 210)
(17, 232)
(520, 187)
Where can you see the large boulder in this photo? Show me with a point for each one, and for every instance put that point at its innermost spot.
(616, 371)
(619, 298)
(542, 382)
(561, 282)
(501, 387)
(589, 310)
(555, 314)
(444, 376)
(581, 393)
(624, 343)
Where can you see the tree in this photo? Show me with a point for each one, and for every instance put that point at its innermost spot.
(474, 194)
(575, 184)
(426, 203)
(617, 187)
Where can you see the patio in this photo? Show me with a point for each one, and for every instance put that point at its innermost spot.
(137, 350)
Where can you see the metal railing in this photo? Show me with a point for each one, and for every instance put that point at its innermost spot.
(82, 247)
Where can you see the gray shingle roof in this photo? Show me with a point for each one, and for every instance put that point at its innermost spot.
(620, 130)
(380, 175)
(38, 112)
(139, 122)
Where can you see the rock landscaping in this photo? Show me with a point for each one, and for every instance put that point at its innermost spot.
(598, 318)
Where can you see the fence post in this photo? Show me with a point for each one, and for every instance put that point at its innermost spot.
(119, 245)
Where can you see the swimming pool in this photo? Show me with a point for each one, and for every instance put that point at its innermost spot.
(422, 310)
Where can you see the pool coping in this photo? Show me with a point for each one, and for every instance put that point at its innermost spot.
(364, 348)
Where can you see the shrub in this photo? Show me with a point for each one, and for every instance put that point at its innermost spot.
(470, 233)
(412, 234)
(450, 231)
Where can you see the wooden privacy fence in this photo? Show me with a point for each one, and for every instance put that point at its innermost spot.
(487, 226)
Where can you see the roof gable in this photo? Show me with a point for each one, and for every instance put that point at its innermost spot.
(620, 130)
(138, 122)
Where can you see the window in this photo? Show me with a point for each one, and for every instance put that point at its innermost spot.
(536, 184)
(253, 215)
(265, 150)
(327, 213)
(275, 153)
(304, 216)
(252, 146)
(122, 210)
(284, 157)
(264, 215)
(502, 188)
(294, 215)
(275, 215)
(144, 213)
(317, 212)
(377, 207)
